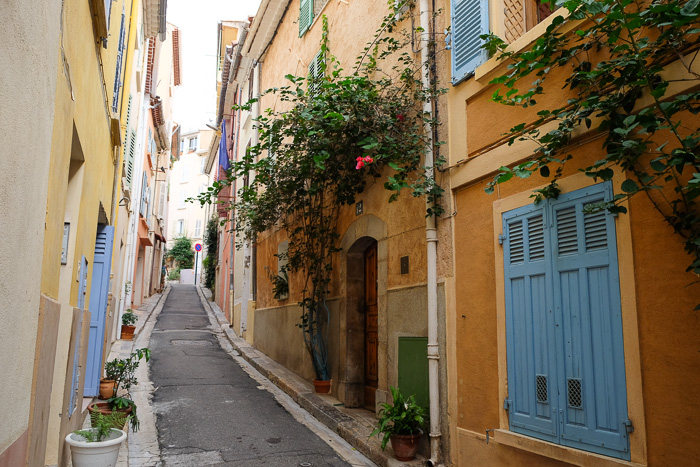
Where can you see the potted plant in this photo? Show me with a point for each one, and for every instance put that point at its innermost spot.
(108, 384)
(97, 446)
(121, 406)
(401, 423)
(129, 319)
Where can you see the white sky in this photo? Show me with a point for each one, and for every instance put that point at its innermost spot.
(195, 98)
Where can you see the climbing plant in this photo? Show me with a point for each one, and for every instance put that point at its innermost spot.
(338, 132)
(632, 74)
(211, 243)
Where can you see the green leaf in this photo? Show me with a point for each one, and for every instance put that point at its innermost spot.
(629, 186)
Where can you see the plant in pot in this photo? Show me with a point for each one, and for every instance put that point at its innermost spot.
(401, 424)
(120, 404)
(97, 446)
(129, 319)
(108, 384)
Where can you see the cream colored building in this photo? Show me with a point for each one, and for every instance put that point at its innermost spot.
(187, 180)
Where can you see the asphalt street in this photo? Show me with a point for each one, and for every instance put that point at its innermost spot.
(209, 411)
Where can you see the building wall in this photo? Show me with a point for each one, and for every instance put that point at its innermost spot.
(398, 227)
(26, 122)
(81, 130)
(657, 294)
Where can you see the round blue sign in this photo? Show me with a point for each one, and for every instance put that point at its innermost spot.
(198, 247)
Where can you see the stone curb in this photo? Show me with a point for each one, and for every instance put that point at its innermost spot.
(302, 392)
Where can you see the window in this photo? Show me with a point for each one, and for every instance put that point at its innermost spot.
(198, 228)
(182, 145)
(193, 144)
(308, 10)
(565, 356)
(183, 172)
(470, 19)
(180, 227)
(522, 16)
(118, 71)
(316, 72)
(203, 165)
(182, 199)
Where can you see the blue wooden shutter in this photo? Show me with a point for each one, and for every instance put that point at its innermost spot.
(532, 387)
(593, 394)
(306, 15)
(118, 71)
(470, 19)
(99, 290)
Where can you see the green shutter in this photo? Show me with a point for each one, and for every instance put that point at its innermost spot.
(306, 15)
(316, 72)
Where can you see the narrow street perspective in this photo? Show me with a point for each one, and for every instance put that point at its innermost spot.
(209, 411)
(358, 233)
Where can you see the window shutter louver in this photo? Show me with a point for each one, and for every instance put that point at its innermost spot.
(470, 19)
(306, 15)
(316, 73)
(566, 369)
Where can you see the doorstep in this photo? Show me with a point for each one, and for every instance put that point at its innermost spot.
(353, 425)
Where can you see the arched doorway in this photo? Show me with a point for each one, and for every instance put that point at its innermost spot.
(362, 370)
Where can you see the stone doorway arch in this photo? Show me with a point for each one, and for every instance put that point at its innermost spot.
(359, 236)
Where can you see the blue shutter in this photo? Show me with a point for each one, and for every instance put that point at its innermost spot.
(306, 15)
(118, 71)
(593, 395)
(99, 290)
(75, 377)
(470, 19)
(532, 377)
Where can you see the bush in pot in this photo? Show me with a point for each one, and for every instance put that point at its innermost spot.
(129, 319)
(97, 446)
(401, 423)
(123, 370)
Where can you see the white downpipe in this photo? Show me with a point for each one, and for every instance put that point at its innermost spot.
(431, 239)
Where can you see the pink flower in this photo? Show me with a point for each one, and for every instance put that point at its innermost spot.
(368, 159)
(360, 163)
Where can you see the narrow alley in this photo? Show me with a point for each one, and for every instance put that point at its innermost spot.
(209, 410)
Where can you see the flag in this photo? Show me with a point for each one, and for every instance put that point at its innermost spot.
(224, 162)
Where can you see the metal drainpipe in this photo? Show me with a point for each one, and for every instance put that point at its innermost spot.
(431, 238)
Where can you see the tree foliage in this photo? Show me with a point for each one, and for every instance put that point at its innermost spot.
(633, 75)
(340, 131)
(182, 253)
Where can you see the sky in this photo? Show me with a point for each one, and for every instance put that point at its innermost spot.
(195, 98)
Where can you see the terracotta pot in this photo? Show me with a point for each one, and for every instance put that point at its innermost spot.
(103, 408)
(127, 332)
(108, 388)
(322, 387)
(405, 446)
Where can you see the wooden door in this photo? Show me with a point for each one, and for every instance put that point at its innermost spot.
(371, 319)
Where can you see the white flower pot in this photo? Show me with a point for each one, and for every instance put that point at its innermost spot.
(98, 454)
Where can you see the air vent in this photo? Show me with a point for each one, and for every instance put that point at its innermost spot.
(573, 389)
(542, 393)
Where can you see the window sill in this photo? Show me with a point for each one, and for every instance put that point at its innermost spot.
(555, 451)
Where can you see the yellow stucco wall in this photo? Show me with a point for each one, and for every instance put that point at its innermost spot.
(26, 122)
(81, 126)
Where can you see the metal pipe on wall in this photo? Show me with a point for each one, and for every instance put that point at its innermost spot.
(431, 239)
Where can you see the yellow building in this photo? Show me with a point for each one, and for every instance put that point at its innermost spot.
(570, 335)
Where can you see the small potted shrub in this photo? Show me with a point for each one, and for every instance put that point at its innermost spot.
(129, 319)
(401, 422)
(97, 446)
(108, 384)
(121, 406)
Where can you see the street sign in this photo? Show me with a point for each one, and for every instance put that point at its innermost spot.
(198, 247)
